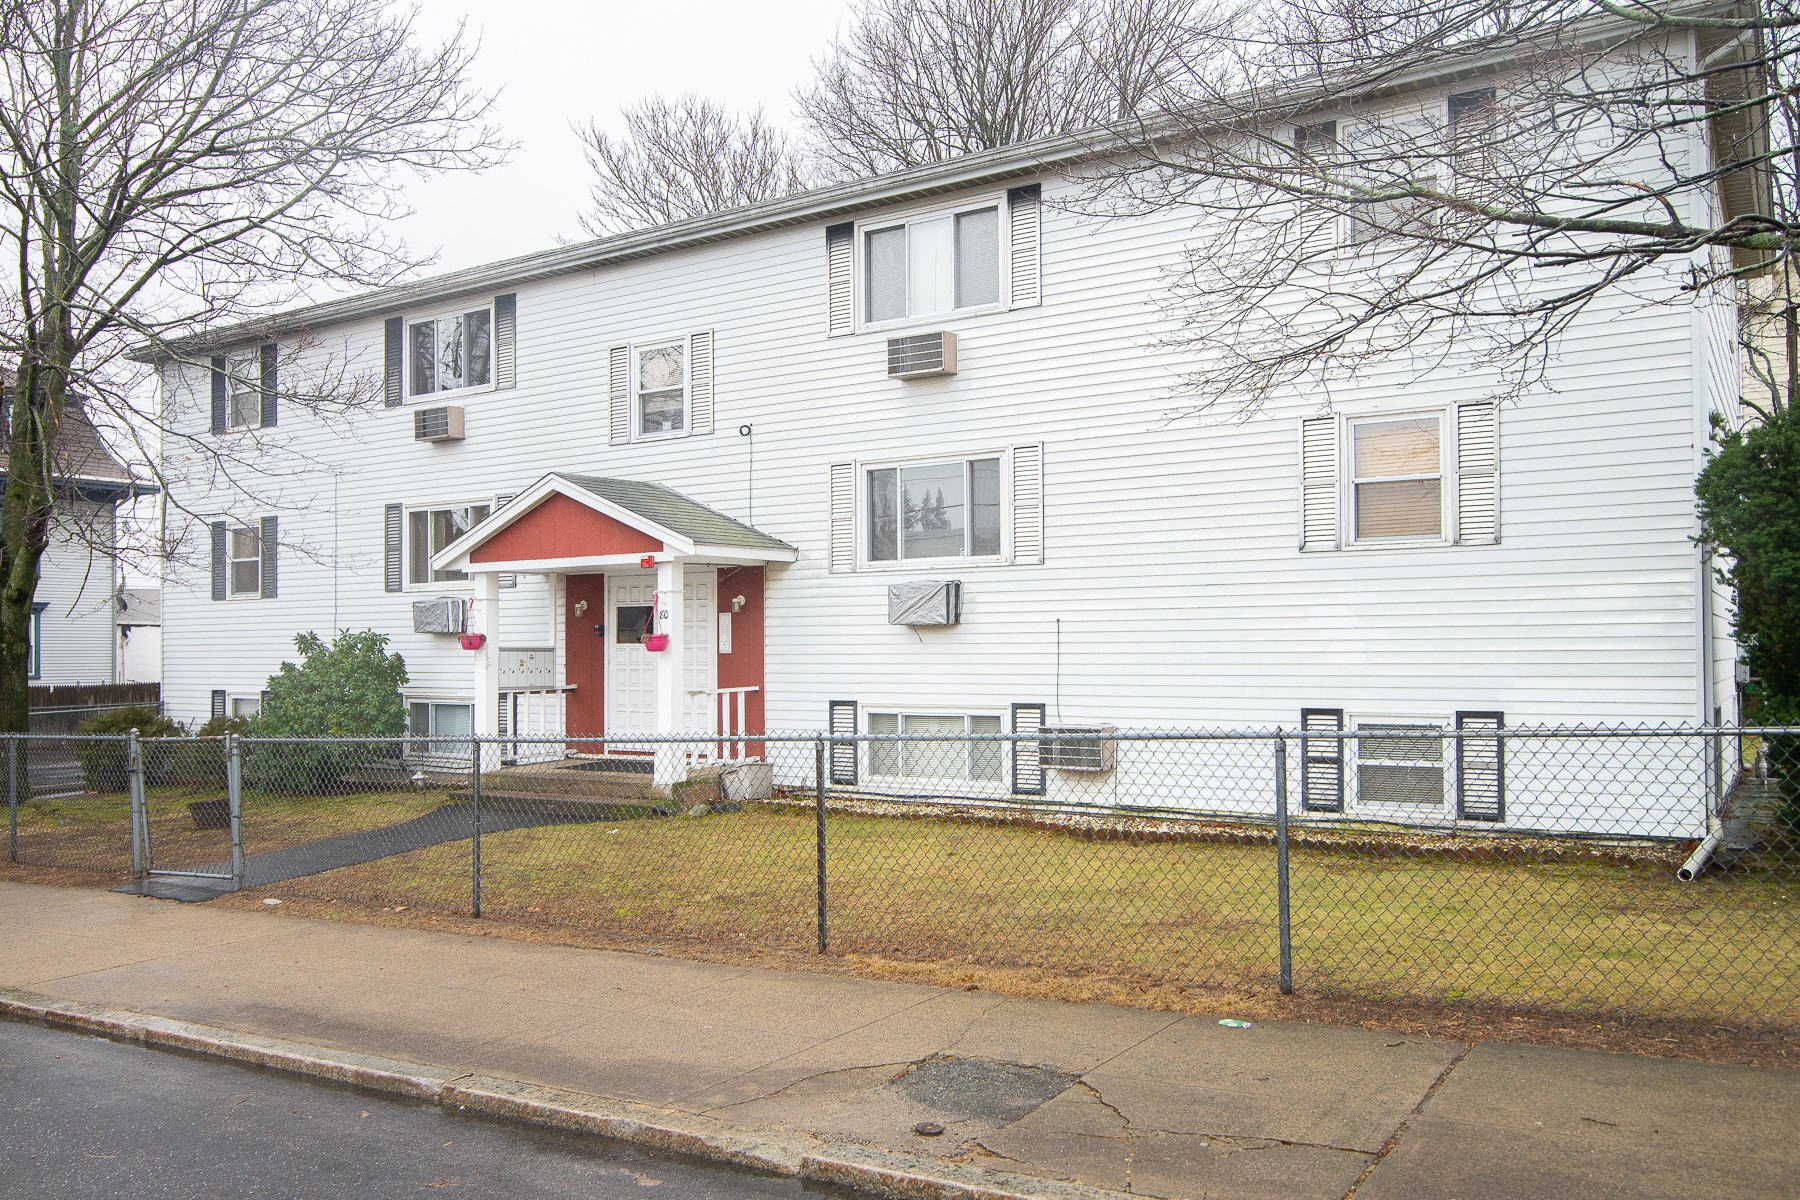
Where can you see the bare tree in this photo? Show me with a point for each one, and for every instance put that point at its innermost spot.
(917, 81)
(166, 163)
(1375, 182)
(683, 157)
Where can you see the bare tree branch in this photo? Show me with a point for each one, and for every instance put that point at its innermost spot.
(683, 157)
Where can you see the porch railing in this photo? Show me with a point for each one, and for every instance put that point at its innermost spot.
(533, 713)
(729, 717)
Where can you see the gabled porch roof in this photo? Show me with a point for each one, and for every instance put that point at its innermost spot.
(567, 522)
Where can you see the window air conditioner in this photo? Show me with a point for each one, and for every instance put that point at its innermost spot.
(443, 614)
(1077, 747)
(921, 356)
(438, 424)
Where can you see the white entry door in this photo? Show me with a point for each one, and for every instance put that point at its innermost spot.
(630, 669)
(699, 663)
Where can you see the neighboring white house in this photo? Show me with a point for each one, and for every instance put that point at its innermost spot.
(73, 639)
(758, 432)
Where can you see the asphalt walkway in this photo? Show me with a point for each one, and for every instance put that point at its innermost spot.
(445, 823)
(1152, 1103)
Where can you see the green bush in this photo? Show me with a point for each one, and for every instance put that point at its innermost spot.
(103, 763)
(349, 688)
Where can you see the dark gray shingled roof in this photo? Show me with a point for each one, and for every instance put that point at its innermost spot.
(79, 453)
(676, 512)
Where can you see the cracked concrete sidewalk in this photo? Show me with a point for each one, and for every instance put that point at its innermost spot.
(1152, 1103)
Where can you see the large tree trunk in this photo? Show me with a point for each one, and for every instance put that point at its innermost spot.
(37, 402)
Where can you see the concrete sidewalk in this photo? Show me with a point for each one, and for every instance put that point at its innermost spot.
(1151, 1103)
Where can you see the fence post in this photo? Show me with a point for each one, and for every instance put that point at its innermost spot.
(134, 786)
(1281, 864)
(234, 803)
(12, 795)
(475, 834)
(819, 831)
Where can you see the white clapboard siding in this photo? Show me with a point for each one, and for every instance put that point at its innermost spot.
(1173, 590)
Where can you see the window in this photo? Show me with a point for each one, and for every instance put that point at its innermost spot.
(1392, 216)
(981, 762)
(932, 264)
(245, 707)
(431, 719)
(934, 510)
(243, 383)
(1400, 764)
(430, 530)
(1397, 479)
(449, 353)
(661, 403)
(34, 653)
(1316, 140)
(245, 565)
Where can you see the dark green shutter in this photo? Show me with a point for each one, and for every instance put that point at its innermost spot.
(1480, 766)
(269, 385)
(395, 361)
(218, 395)
(841, 718)
(1027, 755)
(1321, 760)
(218, 561)
(268, 542)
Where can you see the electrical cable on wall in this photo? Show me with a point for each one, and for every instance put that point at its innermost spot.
(749, 475)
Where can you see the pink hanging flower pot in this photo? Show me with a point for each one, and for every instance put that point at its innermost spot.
(656, 641)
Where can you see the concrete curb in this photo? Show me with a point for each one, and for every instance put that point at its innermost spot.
(878, 1172)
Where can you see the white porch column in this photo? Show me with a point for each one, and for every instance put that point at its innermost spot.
(485, 619)
(671, 693)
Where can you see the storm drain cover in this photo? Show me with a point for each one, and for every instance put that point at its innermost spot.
(972, 1088)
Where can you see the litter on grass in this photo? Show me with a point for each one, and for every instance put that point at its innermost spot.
(1235, 1024)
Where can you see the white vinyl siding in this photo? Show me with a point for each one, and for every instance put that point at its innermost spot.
(1171, 585)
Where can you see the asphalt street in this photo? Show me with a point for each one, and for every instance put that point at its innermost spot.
(83, 1117)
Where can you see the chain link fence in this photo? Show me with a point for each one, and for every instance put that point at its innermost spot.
(1645, 873)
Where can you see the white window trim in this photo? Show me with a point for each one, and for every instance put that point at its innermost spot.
(1446, 809)
(231, 699)
(999, 787)
(638, 346)
(428, 399)
(859, 265)
(1447, 481)
(231, 591)
(406, 562)
(865, 563)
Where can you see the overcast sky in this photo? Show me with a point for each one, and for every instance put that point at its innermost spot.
(555, 62)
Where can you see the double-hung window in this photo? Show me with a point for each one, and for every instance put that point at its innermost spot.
(1397, 485)
(244, 547)
(243, 384)
(431, 719)
(1400, 765)
(429, 530)
(937, 263)
(933, 510)
(450, 353)
(978, 762)
(660, 402)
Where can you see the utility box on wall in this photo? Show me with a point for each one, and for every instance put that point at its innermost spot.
(925, 602)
